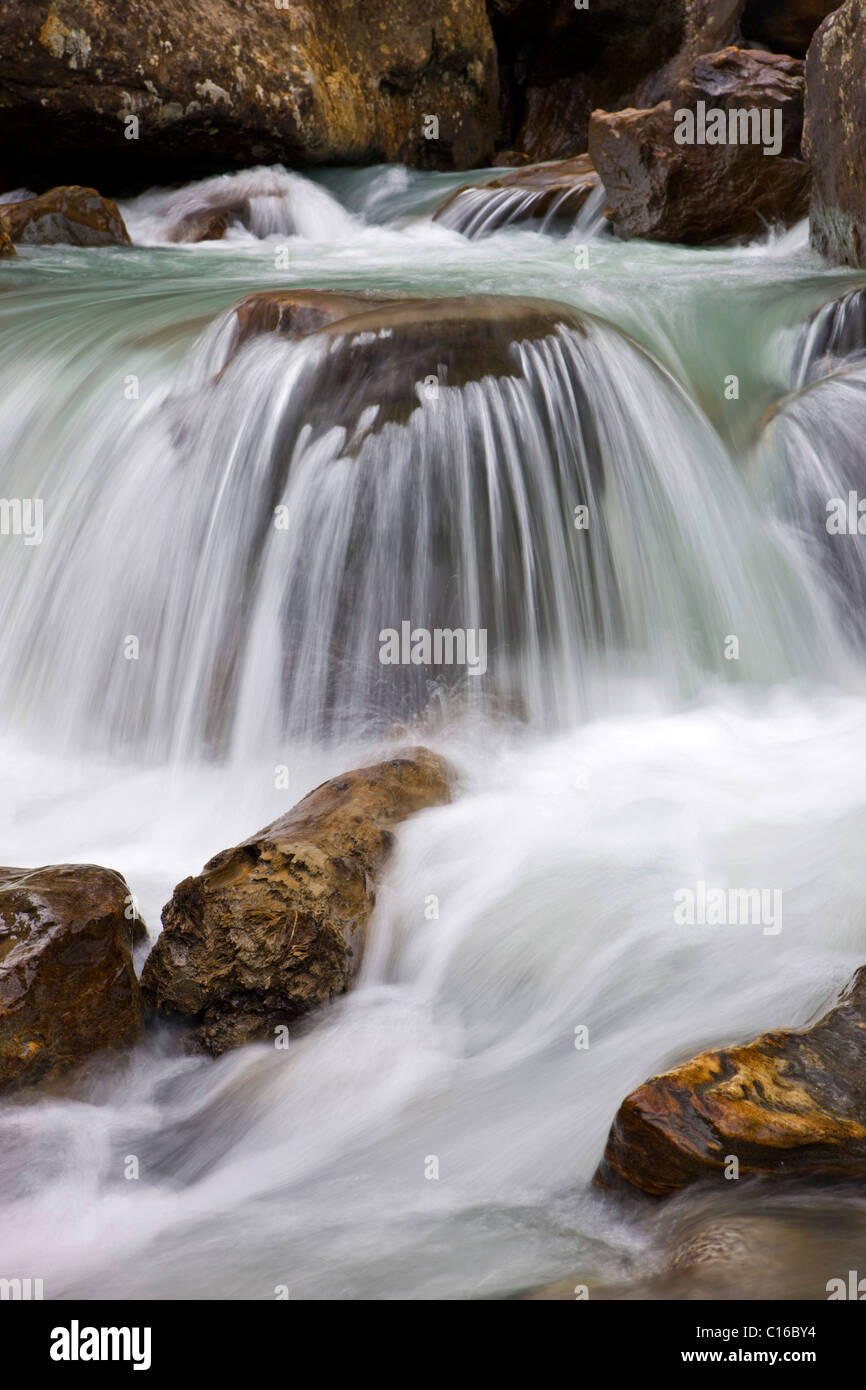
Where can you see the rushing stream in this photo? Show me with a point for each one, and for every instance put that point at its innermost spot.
(613, 753)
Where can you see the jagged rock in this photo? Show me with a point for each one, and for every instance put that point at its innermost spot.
(72, 215)
(556, 190)
(788, 1105)
(834, 135)
(558, 62)
(696, 193)
(67, 984)
(276, 926)
(156, 91)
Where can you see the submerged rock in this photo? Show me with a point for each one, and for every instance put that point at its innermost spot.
(276, 926)
(384, 347)
(72, 215)
(693, 192)
(834, 334)
(156, 91)
(788, 1105)
(546, 191)
(67, 984)
(834, 136)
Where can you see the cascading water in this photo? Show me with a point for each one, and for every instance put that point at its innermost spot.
(615, 749)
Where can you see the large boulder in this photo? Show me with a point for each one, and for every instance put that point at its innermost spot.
(73, 215)
(559, 62)
(67, 984)
(834, 136)
(276, 926)
(696, 192)
(788, 1105)
(154, 91)
(383, 346)
(551, 192)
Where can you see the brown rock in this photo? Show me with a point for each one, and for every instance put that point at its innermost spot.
(788, 1105)
(276, 926)
(387, 345)
(784, 26)
(219, 84)
(203, 226)
(6, 247)
(67, 985)
(834, 136)
(558, 63)
(556, 190)
(72, 215)
(699, 193)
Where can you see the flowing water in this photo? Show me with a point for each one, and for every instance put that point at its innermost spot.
(617, 749)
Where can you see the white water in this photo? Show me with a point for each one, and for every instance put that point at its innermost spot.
(646, 761)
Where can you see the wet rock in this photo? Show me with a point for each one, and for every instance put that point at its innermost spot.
(383, 348)
(71, 215)
(834, 136)
(835, 334)
(784, 26)
(6, 247)
(698, 193)
(155, 91)
(547, 191)
(204, 226)
(558, 63)
(276, 926)
(67, 984)
(788, 1105)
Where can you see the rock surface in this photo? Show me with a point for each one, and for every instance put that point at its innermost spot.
(275, 926)
(557, 62)
(67, 984)
(389, 345)
(834, 136)
(555, 190)
(72, 215)
(788, 1105)
(6, 247)
(698, 193)
(220, 84)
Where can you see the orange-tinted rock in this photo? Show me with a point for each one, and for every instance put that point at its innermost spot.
(698, 193)
(276, 926)
(156, 91)
(67, 984)
(6, 247)
(72, 215)
(788, 1105)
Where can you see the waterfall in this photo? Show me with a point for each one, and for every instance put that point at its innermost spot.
(261, 519)
(241, 493)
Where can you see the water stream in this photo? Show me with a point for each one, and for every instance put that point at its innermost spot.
(614, 751)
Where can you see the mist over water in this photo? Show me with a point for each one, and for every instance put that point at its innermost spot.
(611, 755)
